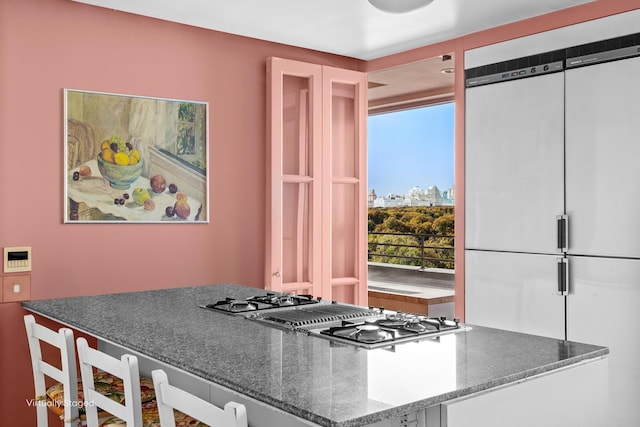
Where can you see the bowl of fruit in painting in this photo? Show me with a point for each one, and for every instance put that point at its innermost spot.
(119, 163)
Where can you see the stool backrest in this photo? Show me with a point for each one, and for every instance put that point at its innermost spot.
(170, 397)
(125, 368)
(66, 374)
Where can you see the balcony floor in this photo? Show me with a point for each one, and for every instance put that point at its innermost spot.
(417, 291)
(401, 288)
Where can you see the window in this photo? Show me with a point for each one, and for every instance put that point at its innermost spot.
(188, 145)
(411, 187)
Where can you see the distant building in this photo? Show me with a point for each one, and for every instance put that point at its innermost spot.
(448, 196)
(416, 197)
(390, 201)
(434, 196)
(429, 197)
(371, 198)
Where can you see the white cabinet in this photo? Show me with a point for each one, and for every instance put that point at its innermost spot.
(603, 206)
(514, 291)
(604, 307)
(576, 396)
(514, 167)
(591, 177)
(603, 159)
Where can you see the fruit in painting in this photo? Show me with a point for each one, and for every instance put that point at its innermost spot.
(173, 188)
(140, 195)
(149, 205)
(182, 208)
(84, 170)
(134, 153)
(116, 150)
(107, 155)
(121, 159)
(158, 183)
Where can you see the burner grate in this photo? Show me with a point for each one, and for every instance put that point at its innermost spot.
(318, 314)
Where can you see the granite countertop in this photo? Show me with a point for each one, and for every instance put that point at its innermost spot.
(328, 384)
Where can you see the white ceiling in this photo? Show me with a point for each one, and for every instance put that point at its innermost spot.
(351, 28)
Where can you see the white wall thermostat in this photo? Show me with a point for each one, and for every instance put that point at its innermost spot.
(17, 259)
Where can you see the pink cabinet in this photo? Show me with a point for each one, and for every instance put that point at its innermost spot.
(316, 181)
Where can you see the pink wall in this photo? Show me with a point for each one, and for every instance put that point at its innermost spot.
(586, 12)
(48, 45)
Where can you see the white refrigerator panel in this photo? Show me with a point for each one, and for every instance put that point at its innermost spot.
(514, 164)
(603, 159)
(603, 308)
(514, 291)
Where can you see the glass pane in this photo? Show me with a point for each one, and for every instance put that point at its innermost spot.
(344, 232)
(296, 138)
(344, 136)
(296, 232)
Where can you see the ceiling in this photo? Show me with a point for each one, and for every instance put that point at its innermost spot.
(411, 85)
(355, 29)
(351, 28)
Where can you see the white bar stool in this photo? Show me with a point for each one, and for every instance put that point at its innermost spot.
(126, 368)
(170, 397)
(66, 375)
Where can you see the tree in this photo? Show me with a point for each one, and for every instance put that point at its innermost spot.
(378, 215)
(444, 225)
(433, 224)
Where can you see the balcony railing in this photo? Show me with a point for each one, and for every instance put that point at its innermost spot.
(423, 250)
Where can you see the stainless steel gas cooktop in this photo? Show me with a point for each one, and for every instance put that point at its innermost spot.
(368, 327)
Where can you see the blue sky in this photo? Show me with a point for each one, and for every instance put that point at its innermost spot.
(409, 148)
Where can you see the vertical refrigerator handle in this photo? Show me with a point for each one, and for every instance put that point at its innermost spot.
(563, 277)
(563, 232)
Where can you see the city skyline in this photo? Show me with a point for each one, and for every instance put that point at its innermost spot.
(411, 148)
(408, 190)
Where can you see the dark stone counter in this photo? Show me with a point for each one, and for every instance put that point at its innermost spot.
(328, 384)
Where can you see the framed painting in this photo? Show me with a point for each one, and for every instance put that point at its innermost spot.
(135, 159)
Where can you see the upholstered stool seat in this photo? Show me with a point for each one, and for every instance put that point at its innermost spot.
(107, 384)
(151, 418)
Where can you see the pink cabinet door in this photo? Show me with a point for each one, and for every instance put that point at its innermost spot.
(345, 183)
(316, 184)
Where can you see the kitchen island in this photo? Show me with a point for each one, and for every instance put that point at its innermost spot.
(292, 379)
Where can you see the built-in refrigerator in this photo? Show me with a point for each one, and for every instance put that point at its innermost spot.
(552, 202)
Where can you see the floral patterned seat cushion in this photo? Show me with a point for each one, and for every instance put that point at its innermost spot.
(105, 383)
(150, 418)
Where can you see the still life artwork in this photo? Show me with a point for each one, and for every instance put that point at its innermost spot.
(134, 159)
